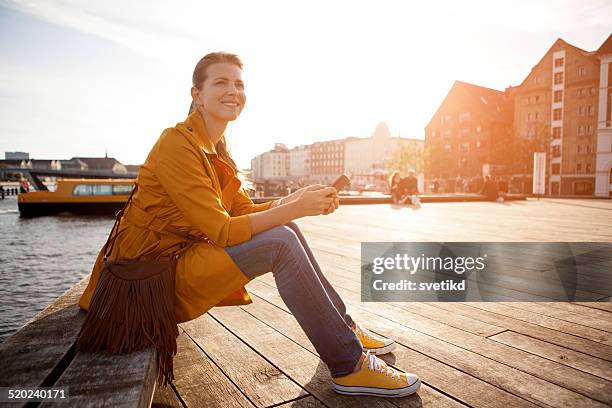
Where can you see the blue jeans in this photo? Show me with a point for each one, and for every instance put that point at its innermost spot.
(317, 307)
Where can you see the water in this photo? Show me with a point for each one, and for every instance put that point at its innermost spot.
(40, 258)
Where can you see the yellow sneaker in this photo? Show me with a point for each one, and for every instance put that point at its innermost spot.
(371, 342)
(377, 379)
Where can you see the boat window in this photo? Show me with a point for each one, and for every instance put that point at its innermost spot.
(82, 190)
(102, 189)
(122, 189)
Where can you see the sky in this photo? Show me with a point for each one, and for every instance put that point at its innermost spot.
(82, 78)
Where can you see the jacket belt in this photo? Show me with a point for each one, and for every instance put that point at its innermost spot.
(141, 218)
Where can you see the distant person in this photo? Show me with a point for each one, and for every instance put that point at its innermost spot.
(394, 181)
(490, 189)
(458, 185)
(24, 187)
(502, 185)
(408, 188)
(436, 186)
(189, 184)
(1, 192)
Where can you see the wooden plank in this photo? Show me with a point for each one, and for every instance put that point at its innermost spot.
(551, 378)
(539, 332)
(165, 397)
(605, 306)
(589, 333)
(98, 379)
(580, 361)
(348, 269)
(552, 309)
(259, 381)
(511, 284)
(292, 359)
(459, 384)
(31, 354)
(582, 310)
(306, 402)
(199, 382)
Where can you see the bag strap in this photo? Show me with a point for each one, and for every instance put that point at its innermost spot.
(115, 230)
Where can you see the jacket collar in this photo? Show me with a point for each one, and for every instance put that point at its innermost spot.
(194, 125)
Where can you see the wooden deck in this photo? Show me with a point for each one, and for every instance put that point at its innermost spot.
(467, 354)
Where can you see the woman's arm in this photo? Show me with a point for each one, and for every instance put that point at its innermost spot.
(308, 202)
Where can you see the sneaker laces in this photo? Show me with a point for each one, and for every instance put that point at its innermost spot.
(376, 364)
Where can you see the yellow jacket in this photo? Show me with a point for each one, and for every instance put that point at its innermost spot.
(180, 183)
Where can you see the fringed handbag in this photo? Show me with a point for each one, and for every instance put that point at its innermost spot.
(132, 307)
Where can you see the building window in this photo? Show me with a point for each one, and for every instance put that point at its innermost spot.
(588, 149)
(558, 78)
(536, 80)
(588, 167)
(591, 110)
(466, 131)
(556, 151)
(556, 133)
(582, 71)
(581, 110)
(447, 148)
(578, 167)
(478, 129)
(593, 90)
(580, 130)
(583, 188)
(557, 114)
(559, 62)
(464, 117)
(558, 96)
(556, 168)
(465, 147)
(578, 149)
(478, 143)
(433, 133)
(589, 129)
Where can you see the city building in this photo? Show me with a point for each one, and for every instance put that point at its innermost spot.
(557, 102)
(462, 137)
(74, 164)
(16, 156)
(603, 159)
(561, 108)
(103, 163)
(271, 165)
(299, 163)
(326, 160)
(366, 160)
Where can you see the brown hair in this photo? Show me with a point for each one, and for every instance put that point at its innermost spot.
(199, 76)
(392, 176)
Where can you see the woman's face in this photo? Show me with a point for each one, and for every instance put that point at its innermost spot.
(222, 95)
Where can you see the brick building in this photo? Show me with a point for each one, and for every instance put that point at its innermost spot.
(327, 160)
(558, 99)
(556, 109)
(460, 139)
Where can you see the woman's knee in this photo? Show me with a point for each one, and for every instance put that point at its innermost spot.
(283, 234)
(293, 226)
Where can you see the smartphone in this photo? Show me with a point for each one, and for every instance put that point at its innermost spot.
(341, 182)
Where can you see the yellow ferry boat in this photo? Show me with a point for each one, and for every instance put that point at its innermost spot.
(77, 196)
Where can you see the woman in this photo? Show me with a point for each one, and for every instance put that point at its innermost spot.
(189, 186)
(394, 180)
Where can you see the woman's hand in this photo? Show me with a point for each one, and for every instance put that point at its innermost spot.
(297, 193)
(313, 200)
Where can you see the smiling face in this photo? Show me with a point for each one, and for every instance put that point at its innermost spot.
(222, 93)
